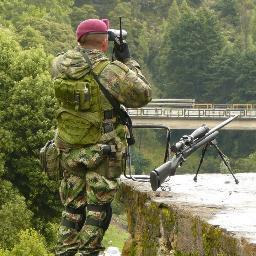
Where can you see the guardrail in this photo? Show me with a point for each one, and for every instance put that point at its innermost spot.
(191, 103)
(191, 113)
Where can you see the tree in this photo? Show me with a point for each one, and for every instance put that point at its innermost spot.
(10, 11)
(139, 162)
(193, 43)
(31, 121)
(6, 147)
(102, 7)
(227, 11)
(150, 11)
(30, 243)
(246, 76)
(232, 76)
(29, 37)
(9, 48)
(184, 7)
(29, 63)
(14, 215)
(223, 72)
(173, 17)
(59, 10)
(196, 2)
(81, 13)
(58, 36)
(245, 10)
(135, 29)
(168, 25)
(17, 10)
(253, 27)
(247, 164)
(44, 22)
(27, 120)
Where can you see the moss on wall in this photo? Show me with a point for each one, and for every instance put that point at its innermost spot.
(163, 229)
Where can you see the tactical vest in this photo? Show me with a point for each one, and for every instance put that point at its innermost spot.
(83, 109)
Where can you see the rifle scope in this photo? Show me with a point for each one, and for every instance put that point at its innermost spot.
(188, 140)
(159, 175)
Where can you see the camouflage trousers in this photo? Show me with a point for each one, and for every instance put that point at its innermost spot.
(86, 196)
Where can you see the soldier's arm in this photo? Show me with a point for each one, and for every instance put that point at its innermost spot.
(126, 83)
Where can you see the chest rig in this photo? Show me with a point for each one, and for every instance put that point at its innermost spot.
(84, 114)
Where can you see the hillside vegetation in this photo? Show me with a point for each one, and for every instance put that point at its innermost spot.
(188, 49)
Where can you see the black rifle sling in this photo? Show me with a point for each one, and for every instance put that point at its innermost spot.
(121, 112)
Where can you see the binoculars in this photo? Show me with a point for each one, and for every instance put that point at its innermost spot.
(114, 34)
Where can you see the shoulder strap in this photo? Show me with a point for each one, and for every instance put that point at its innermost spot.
(111, 99)
(120, 111)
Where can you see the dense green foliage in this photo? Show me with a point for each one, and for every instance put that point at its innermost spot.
(197, 49)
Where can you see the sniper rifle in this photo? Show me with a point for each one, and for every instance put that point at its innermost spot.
(188, 144)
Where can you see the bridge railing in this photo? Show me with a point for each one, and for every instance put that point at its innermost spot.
(165, 112)
(191, 103)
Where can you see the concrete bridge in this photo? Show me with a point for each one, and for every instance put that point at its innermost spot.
(189, 115)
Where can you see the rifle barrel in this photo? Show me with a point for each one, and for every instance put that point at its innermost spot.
(219, 126)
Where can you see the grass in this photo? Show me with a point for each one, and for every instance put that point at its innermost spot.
(116, 235)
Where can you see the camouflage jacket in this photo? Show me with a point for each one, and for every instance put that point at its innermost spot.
(124, 82)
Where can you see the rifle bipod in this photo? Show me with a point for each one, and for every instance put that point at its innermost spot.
(222, 156)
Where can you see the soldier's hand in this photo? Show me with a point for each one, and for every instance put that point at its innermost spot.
(121, 51)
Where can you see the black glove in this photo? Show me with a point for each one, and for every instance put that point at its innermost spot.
(121, 51)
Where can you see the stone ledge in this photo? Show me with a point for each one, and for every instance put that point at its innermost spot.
(193, 218)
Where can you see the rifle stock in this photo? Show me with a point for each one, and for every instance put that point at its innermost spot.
(159, 175)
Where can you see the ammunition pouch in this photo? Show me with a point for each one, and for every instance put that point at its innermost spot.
(50, 160)
(113, 163)
(114, 166)
(74, 95)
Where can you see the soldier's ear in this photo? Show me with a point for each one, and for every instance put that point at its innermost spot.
(104, 45)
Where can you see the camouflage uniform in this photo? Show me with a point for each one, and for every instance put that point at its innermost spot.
(89, 180)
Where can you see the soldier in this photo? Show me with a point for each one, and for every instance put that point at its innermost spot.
(90, 134)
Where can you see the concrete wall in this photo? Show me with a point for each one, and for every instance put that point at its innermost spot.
(161, 224)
